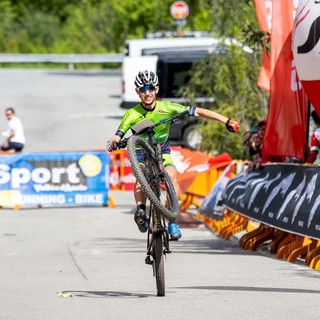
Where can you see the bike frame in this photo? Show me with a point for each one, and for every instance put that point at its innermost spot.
(154, 178)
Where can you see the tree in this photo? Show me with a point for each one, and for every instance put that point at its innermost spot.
(230, 77)
(92, 26)
(6, 21)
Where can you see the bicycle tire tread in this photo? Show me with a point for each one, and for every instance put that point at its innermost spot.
(133, 142)
(159, 265)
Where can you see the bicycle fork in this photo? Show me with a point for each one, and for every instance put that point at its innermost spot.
(157, 229)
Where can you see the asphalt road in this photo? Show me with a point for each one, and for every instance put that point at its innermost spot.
(62, 110)
(95, 256)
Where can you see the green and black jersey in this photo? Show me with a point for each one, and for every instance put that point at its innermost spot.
(162, 110)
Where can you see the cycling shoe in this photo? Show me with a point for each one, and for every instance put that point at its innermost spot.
(174, 231)
(140, 219)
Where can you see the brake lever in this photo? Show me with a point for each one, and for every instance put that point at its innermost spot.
(122, 144)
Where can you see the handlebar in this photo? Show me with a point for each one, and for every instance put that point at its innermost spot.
(172, 119)
(149, 131)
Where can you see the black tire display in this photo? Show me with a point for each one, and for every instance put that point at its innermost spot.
(154, 183)
(159, 264)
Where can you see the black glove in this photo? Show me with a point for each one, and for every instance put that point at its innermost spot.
(112, 145)
(232, 126)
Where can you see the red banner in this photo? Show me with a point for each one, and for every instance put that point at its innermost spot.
(190, 164)
(285, 134)
(264, 15)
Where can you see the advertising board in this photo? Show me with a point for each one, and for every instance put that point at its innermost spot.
(54, 179)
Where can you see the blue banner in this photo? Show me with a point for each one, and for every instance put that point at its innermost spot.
(54, 179)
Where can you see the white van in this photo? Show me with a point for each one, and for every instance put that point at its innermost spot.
(170, 58)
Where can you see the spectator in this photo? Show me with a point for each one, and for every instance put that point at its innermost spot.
(15, 139)
(261, 128)
(246, 139)
(255, 145)
(315, 139)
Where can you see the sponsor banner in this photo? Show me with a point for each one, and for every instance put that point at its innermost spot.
(285, 134)
(121, 176)
(211, 205)
(190, 164)
(54, 179)
(284, 196)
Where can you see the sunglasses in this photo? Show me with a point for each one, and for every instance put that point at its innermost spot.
(147, 88)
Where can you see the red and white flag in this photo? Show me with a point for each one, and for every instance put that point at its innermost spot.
(264, 15)
(285, 134)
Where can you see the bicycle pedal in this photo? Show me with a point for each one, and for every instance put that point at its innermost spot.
(148, 260)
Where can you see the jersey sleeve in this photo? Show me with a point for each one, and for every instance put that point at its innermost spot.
(125, 124)
(178, 108)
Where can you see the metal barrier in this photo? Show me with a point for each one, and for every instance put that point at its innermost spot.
(69, 59)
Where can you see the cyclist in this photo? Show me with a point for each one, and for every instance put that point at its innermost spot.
(147, 87)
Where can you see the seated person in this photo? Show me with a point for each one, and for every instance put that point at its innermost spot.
(15, 139)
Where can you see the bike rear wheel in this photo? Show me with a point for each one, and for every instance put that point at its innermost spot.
(155, 183)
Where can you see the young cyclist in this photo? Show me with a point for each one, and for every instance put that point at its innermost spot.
(147, 87)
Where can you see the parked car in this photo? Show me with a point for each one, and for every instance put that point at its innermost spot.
(173, 70)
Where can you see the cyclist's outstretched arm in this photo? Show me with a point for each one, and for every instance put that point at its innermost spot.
(231, 125)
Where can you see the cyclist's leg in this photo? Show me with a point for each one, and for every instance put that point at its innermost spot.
(140, 199)
(174, 229)
(172, 171)
(139, 196)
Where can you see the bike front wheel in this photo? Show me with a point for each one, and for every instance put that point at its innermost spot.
(155, 183)
(159, 264)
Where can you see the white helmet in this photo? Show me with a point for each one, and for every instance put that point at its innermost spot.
(146, 78)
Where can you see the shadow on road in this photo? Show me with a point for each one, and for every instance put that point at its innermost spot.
(106, 294)
(254, 289)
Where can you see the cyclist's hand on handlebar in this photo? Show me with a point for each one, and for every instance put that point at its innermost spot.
(112, 145)
(232, 126)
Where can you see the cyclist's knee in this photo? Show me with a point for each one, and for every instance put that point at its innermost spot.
(172, 172)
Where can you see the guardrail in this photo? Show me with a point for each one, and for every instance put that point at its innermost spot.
(69, 59)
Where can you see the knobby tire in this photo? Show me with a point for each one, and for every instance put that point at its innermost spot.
(159, 264)
(170, 213)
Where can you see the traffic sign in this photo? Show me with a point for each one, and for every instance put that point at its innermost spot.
(179, 10)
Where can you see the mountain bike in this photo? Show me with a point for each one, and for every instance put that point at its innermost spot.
(158, 188)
